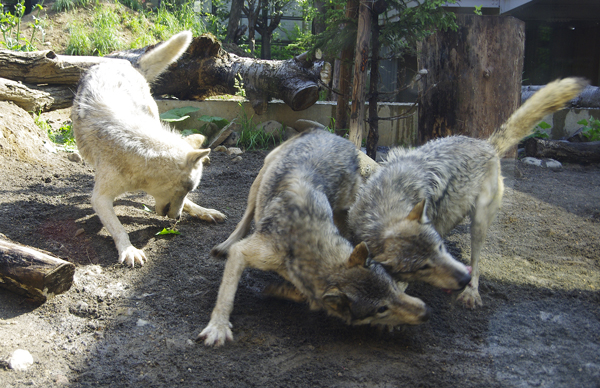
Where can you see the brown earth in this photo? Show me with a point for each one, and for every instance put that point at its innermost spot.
(119, 327)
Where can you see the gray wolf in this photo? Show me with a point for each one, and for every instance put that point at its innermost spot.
(118, 131)
(420, 195)
(304, 188)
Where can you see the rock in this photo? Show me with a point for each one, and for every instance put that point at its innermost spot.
(232, 140)
(303, 125)
(222, 135)
(74, 157)
(236, 159)
(272, 127)
(551, 164)
(20, 360)
(81, 309)
(221, 149)
(289, 132)
(234, 151)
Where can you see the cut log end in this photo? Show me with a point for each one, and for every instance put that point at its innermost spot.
(33, 273)
(304, 98)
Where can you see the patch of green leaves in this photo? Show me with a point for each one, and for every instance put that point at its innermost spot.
(590, 129)
(10, 27)
(167, 231)
(177, 114)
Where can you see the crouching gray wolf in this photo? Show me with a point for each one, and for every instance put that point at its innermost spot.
(118, 131)
(304, 185)
(420, 195)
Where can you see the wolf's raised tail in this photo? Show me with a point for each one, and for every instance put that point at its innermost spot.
(520, 124)
(156, 60)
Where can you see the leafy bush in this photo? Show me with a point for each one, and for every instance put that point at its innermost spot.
(591, 128)
(10, 26)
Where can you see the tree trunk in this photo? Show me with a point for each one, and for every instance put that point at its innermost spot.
(563, 151)
(235, 14)
(373, 135)
(361, 60)
(474, 77)
(205, 70)
(345, 76)
(33, 273)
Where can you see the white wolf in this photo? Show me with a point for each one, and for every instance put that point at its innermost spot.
(118, 131)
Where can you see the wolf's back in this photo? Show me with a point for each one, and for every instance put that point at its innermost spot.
(520, 124)
(156, 60)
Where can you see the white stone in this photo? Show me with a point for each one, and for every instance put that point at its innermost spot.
(20, 360)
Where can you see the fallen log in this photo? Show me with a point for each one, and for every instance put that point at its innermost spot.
(36, 98)
(34, 273)
(205, 70)
(563, 151)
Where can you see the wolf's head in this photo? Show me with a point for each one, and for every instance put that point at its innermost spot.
(174, 188)
(366, 294)
(414, 251)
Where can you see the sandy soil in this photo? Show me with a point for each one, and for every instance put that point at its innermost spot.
(119, 327)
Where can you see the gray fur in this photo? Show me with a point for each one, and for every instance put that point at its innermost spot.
(420, 195)
(305, 185)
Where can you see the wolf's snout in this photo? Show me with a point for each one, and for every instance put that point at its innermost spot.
(464, 281)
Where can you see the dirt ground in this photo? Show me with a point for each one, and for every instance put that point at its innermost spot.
(122, 327)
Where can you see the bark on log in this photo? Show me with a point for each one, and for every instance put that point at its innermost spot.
(32, 272)
(588, 98)
(33, 98)
(205, 70)
(473, 82)
(564, 151)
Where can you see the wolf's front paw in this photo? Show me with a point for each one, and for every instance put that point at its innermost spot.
(470, 298)
(132, 256)
(215, 334)
(211, 215)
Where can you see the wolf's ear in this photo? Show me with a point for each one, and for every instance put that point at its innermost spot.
(193, 157)
(336, 300)
(196, 140)
(418, 213)
(359, 255)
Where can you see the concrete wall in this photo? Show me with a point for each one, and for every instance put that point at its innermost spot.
(396, 132)
(564, 122)
(391, 133)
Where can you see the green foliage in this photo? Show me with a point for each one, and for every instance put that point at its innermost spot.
(178, 114)
(539, 131)
(591, 129)
(477, 10)
(10, 26)
(100, 36)
(403, 24)
(167, 231)
(63, 136)
(252, 138)
(68, 5)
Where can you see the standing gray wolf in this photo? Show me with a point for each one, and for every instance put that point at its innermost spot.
(304, 187)
(420, 195)
(118, 131)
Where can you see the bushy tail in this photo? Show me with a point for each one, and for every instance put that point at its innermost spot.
(547, 100)
(156, 60)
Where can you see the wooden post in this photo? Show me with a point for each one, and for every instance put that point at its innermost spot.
(33, 273)
(361, 62)
(473, 82)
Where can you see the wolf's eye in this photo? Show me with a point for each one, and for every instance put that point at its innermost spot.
(423, 268)
(382, 309)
